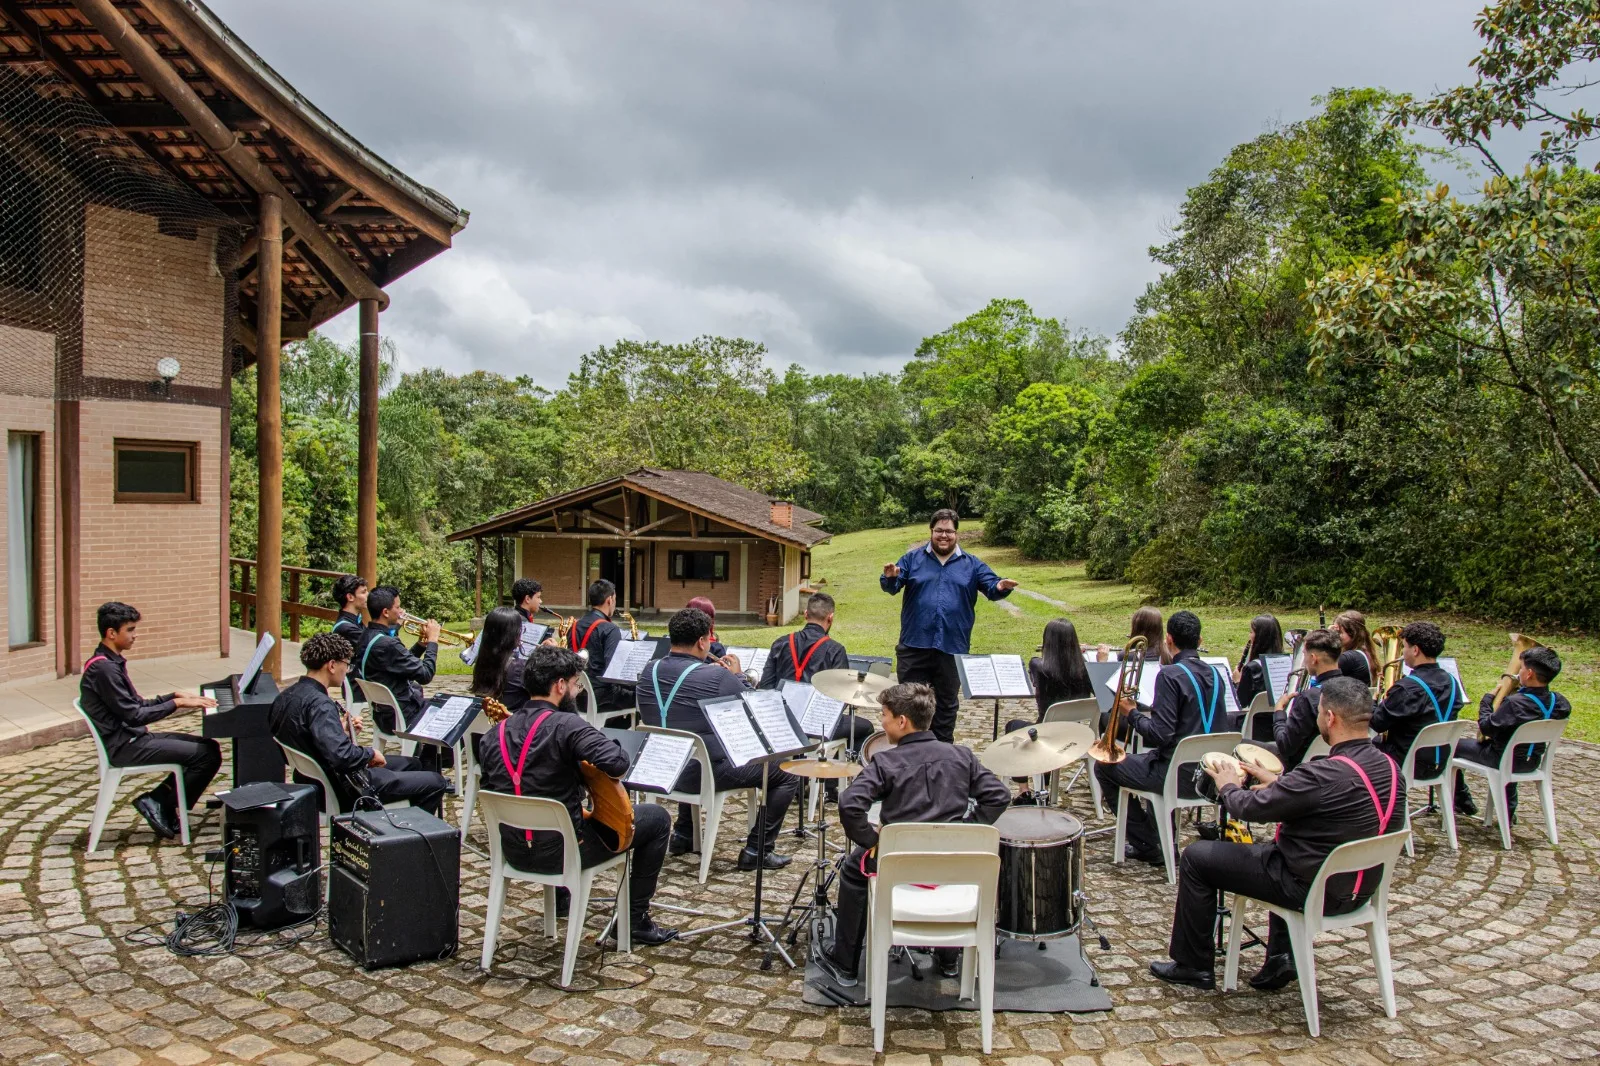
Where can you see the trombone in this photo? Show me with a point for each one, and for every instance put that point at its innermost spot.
(1107, 749)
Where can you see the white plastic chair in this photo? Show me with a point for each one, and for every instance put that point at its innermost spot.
(1318, 749)
(1167, 802)
(1086, 711)
(708, 799)
(1305, 925)
(379, 695)
(473, 774)
(306, 766)
(1543, 731)
(353, 703)
(963, 861)
(111, 779)
(538, 813)
(1445, 735)
(591, 714)
(1260, 706)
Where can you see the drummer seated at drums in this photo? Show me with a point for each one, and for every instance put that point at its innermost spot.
(919, 779)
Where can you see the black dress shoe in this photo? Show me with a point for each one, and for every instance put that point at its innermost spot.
(1178, 974)
(770, 860)
(680, 845)
(836, 971)
(645, 931)
(948, 960)
(1276, 972)
(148, 806)
(1466, 806)
(1146, 855)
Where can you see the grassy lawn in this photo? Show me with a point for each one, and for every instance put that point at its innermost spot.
(868, 621)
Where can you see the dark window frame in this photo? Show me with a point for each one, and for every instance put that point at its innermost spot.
(38, 540)
(680, 570)
(190, 449)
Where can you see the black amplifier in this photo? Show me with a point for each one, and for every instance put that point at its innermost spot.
(395, 886)
(271, 839)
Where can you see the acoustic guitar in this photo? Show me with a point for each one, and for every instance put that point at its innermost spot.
(609, 803)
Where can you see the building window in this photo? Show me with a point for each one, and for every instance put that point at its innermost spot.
(22, 538)
(154, 471)
(697, 566)
(805, 566)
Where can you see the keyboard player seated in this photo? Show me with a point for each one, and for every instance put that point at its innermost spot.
(305, 718)
(122, 720)
(919, 779)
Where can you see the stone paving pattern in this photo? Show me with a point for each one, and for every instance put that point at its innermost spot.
(1495, 955)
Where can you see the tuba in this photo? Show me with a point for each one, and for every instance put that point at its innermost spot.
(1107, 749)
(1508, 680)
(1297, 659)
(1391, 661)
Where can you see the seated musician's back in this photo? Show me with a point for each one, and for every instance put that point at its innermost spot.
(1426, 695)
(919, 779)
(537, 752)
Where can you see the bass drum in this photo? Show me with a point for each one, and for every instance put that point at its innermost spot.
(877, 742)
(1041, 874)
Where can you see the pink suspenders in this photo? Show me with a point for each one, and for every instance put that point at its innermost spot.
(522, 759)
(1383, 815)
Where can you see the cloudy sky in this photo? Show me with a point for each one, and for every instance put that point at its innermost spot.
(837, 180)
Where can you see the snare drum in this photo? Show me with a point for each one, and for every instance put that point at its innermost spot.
(1041, 874)
(876, 743)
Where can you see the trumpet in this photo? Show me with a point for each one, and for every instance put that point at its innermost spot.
(1390, 659)
(414, 625)
(1107, 749)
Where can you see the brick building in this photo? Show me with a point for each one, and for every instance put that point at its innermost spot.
(662, 537)
(171, 210)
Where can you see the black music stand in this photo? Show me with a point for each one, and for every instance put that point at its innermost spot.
(999, 693)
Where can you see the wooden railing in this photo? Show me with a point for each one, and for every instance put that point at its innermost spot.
(244, 594)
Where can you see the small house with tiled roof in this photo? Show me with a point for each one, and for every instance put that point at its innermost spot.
(662, 537)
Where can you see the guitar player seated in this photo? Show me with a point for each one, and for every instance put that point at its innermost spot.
(537, 752)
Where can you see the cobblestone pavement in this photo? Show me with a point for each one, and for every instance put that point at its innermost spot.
(1495, 955)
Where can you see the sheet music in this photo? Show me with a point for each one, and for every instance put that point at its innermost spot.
(469, 654)
(1277, 674)
(1447, 663)
(1226, 677)
(660, 762)
(740, 741)
(248, 678)
(749, 658)
(629, 660)
(766, 707)
(981, 677)
(1147, 681)
(817, 714)
(438, 722)
(532, 634)
(1012, 675)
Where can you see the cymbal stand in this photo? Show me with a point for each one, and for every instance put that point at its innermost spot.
(821, 873)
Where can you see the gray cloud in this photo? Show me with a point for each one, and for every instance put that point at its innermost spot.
(836, 180)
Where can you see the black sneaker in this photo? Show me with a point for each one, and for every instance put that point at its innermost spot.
(150, 808)
(771, 860)
(948, 960)
(1145, 855)
(1176, 973)
(836, 971)
(1276, 972)
(645, 931)
(1466, 806)
(680, 845)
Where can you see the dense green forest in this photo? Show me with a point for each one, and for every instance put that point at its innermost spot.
(1347, 385)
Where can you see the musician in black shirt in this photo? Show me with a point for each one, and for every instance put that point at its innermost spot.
(916, 780)
(305, 718)
(1294, 724)
(669, 694)
(1189, 699)
(350, 594)
(1358, 657)
(801, 656)
(497, 671)
(536, 752)
(382, 657)
(1532, 702)
(527, 596)
(1250, 679)
(122, 718)
(596, 635)
(1426, 695)
(1353, 794)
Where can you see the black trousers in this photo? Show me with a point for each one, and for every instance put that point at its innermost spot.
(1208, 867)
(199, 756)
(403, 777)
(782, 787)
(651, 824)
(866, 725)
(1475, 750)
(938, 669)
(1147, 772)
(850, 922)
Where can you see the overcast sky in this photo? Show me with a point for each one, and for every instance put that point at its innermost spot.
(835, 180)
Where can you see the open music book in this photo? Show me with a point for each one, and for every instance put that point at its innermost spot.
(751, 660)
(994, 676)
(1226, 677)
(630, 659)
(1152, 669)
(659, 762)
(444, 720)
(817, 714)
(755, 726)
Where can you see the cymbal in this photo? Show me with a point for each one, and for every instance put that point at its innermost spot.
(821, 768)
(855, 689)
(1038, 749)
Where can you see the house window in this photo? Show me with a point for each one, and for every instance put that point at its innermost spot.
(153, 471)
(697, 566)
(22, 537)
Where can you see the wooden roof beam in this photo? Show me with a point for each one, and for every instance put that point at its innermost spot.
(159, 75)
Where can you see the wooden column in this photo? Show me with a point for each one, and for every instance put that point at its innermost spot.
(269, 433)
(367, 434)
(477, 577)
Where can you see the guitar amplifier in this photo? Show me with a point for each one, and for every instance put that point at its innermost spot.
(395, 886)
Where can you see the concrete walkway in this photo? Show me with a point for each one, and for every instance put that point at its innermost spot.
(40, 711)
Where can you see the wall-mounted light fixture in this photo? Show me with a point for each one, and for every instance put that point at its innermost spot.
(167, 369)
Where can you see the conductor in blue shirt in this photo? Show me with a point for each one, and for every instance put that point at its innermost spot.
(941, 584)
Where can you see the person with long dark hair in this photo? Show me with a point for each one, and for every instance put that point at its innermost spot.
(1266, 638)
(1058, 671)
(1146, 623)
(497, 671)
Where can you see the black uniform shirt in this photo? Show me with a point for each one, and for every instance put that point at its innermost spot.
(829, 655)
(1252, 680)
(1403, 713)
(1295, 727)
(1523, 705)
(306, 719)
(351, 627)
(1353, 663)
(384, 659)
(921, 779)
(1321, 804)
(599, 636)
(1176, 712)
(707, 681)
(551, 769)
(1046, 691)
(118, 711)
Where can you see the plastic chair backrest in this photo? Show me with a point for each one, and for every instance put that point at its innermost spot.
(1360, 855)
(99, 743)
(1437, 735)
(1544, 731)
(591, 713)
(306, 766)
(951, 853)
(1084, 710)
(879, 668)
(529, 812)
(937, 836)
(378, 693)
(1261, 702)
(1190, 749)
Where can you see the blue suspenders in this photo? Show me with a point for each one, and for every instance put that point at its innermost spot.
(1207, 715)
(655, 681)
